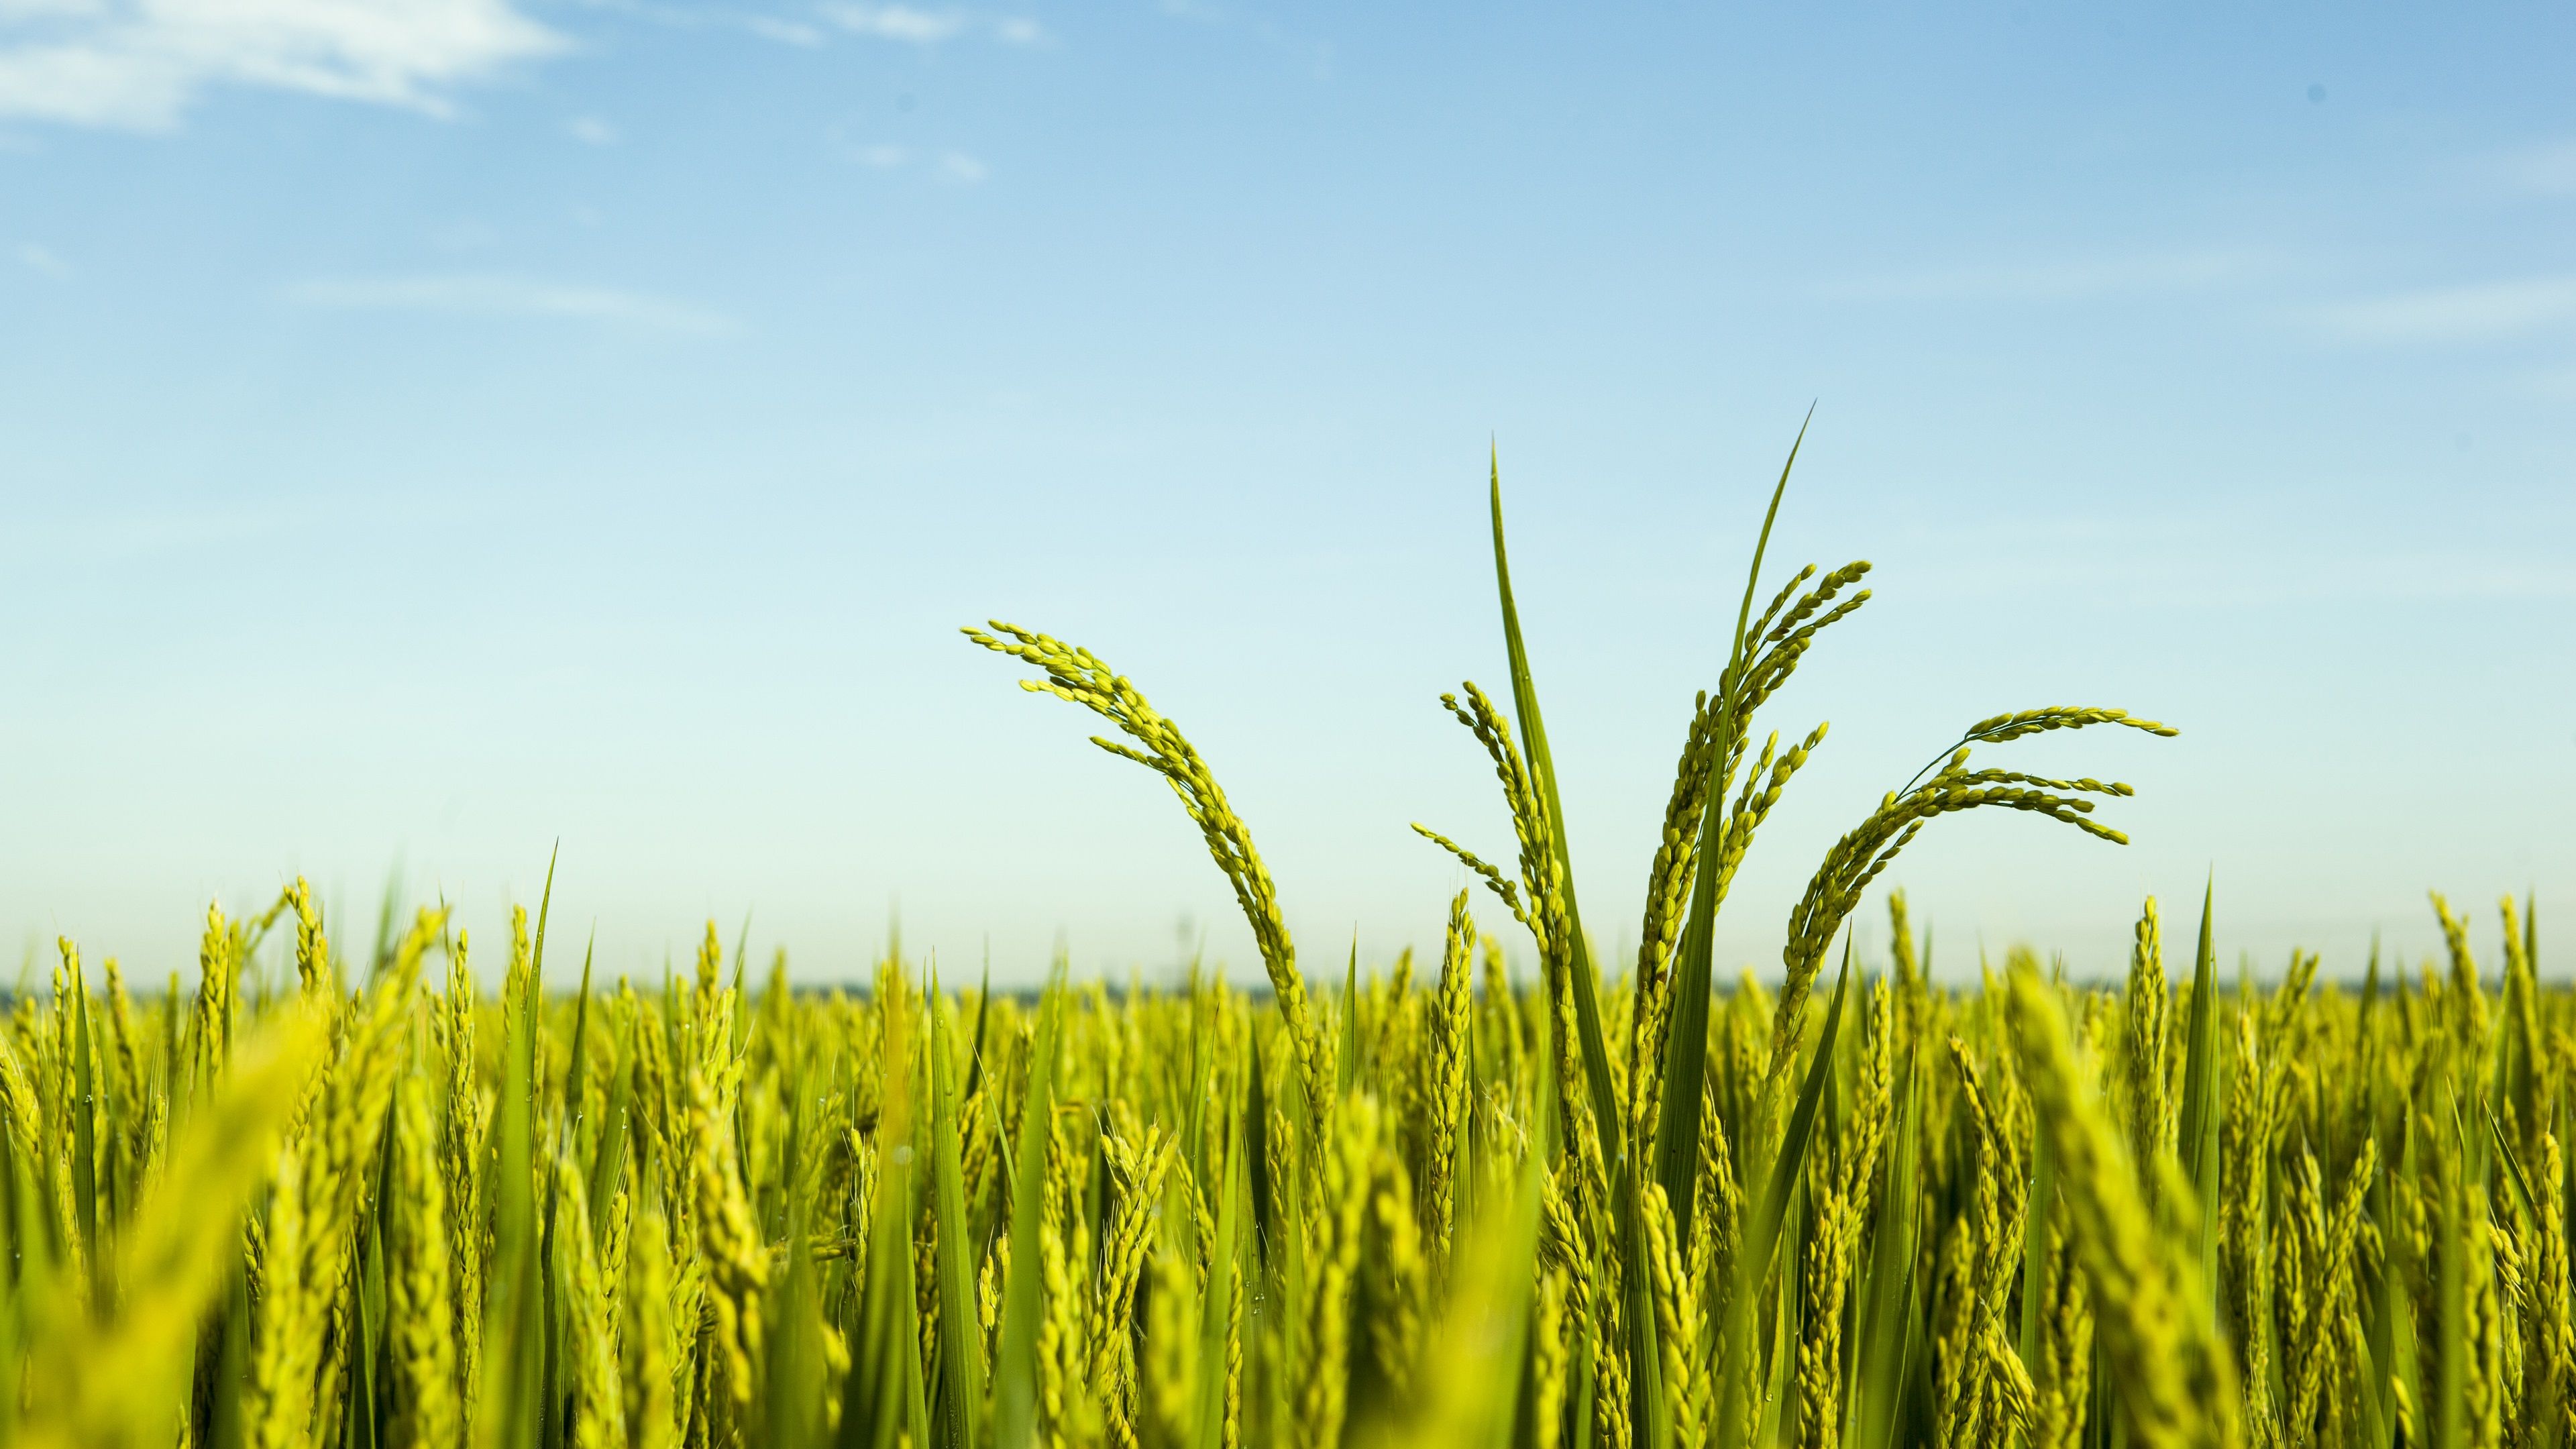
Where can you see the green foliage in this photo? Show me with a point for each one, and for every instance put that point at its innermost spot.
(1623, 1210)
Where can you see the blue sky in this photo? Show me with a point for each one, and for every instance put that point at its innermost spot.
(430, 428)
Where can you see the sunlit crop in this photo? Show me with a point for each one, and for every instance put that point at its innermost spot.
(309, 1196)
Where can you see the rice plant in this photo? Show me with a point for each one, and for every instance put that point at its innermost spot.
(369, 1207)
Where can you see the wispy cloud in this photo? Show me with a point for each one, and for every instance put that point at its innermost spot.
(952, 166)
(504, 296)
(785, 32)
(915, 26)
(2558, 386)
(2548, 169)
(139, 530)
(139, 64)
(41, 259)
(2071, 279)
(2479, 312)
(2209, 559)
(898, 22)
(1315, 57)
(591, 131)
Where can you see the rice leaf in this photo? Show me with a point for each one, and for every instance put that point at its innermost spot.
(1789, 1168)
(1779, 1388)
(1015, 1369)
(1256, 1139)
(1738, 1350)
(1216, 1322)
(1346, 1073)
(2034, 1261)
(983, 1017)
(84, 1115)
(608, 1155)
(111, 1373)
(2200, 1092)
(1870, 1413)
(1677, 1131)
(551, 1393)
(959, 1408)
(2503, 1149)
(1647, 1403)
(2454, 1349)
(881, 1398)
(514, 1351)
(1649, 1411)
(1542, 765)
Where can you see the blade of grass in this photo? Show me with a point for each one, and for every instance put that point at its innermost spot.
(1737, 1349)
(358, 1397)
(1015, 1357)
(1888, 1282)
(608, 1156)
(1645, 1380)
(880, 1396)
(2455, 1350)
(1216, 1324)
(1677, 1131)
(959, 1410)
(514, 1354)
(2034, 1248)
(1256, 1139)
(545, 909)
(550, 1392)
(742, 1003)
(577, 1074)
(2370, 990)
(114, 1373)
(1202, 1067)
(2379, 1396)
(983, 1018)
(2512, 1164)
(1542, 765)
(1347, 1072)
(1785, 1318)
(85, 1132)
(1789, 1168)
(2200, 1105)
(795, 1375)
(1649, 1415)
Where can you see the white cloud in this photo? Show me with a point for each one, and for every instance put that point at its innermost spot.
(2552, 386)
(36, 258)
(2065, 280)
(785, 32)
(591, 130)
(2545, 170)
(2479, 312)
(897, 22)
(502, 296)
(2209, 558)
(138, 64)
(952, 166)
(916, 26)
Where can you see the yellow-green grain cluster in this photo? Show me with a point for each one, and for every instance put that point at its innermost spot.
(321, 1198)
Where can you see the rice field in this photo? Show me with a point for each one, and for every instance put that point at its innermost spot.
(310, 1195)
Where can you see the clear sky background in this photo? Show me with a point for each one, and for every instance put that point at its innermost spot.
(433, 428)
